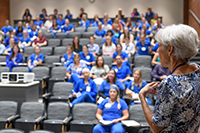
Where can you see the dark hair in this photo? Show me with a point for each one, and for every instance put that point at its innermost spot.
(13, 51)
(119, 45)
(44, 10)
(27, 10)
(73, 44)
(110, 32)
(70, 46)
(19, 28)
(85, 46)
(60, 15)
(53, 24)
(77, 55)
(115, 78)
(97, 62)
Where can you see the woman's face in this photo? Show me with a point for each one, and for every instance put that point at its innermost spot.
(25, 34)
(40, 34)
(111, 75)
(76, 59)
(85, 49)
(69, 50)
(108, 40)
(86, 74)
(54, 23)
(126, 30)
(37, 18)
(100, 61)
(27, 11)
(113, 93)
(136, 75)
(91, 40)
(15, 49)
(20, 29)
(76, 40)
(163, 55)
(119, 48)
(37, 50)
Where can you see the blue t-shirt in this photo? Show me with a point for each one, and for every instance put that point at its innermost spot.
(113, 112)
(123, 54)
(89, 58)
(140, 26)
(94, 24)
(81, 87)
(68, 60)
(149, 15)
(6, 41)
(42, 16)
(123, 71)
(17, 59)
(65, 29)
(134, 88)
(116, 34)
(129, 27)
(74, 70)
(101, 33)
(19, 35)
(105, 87)
(6, 29)
(51, 29)
(109, 21)
(28, 39)
(85, 24)
(148, 32)
(154, 27)
(69, 17)
(16, 28)
(32, 33)
(143, 50)
(138, 38)
(9, 49)
(38, 23)
(155, 47)
(39, 57)
(61, 22)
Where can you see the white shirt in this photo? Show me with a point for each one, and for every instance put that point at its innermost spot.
(48, 24)
(128, 48)
(107, 27)
(109, 49)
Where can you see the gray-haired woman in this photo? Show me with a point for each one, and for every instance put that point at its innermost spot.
(177, 107)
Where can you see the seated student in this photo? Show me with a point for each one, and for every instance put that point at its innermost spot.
(49, 22)
(131, 26)
(55, 28)
(87, 57)
(24, 41)
(110, 33)
(147, 31)
(67, 28)
(43, 15)
(31, 25)
(74, 70)
(156, 59)
(85, 90)
(128, 47)
(5, 29)
(60, 20)
(94, 23)
(68, 57)
(105, 16)
(121, 21)
(35, 59)
(125, 34)
(135, 13)
(19, 32)
(122, 70)
(9, 48)
(141, 24)
(138, 37)
(6, 41)
(40, 40)
(39, 23)
(117, 23)
(28, 22)
(120, 13)
(149, 12)
(154, 20)
(106, 26)
(159, 25)
(14, 58)
(55, 13)
(113, 109)
(68, 15)
(109, 81)
(119, 51)
(135, 86)
(93, 47)
(77, 46)
(108, 47)
(116, 31)
(19, 24)
(84, 22)
(26, 14)
(2, 46)
(34, 33)
(160, 73)
(99, 33)
(143, 46)
(99, 71)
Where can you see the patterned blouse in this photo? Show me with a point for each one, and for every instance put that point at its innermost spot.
(74, 70)
(177, 106)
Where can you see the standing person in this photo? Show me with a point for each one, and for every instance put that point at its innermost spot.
(112, 109)
(177, 105)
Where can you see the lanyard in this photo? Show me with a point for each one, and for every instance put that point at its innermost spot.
(177, 67)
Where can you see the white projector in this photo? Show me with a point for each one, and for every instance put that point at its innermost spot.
(17, 77)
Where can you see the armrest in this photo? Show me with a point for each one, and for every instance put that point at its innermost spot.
(65, 78)
(46, 78)
(12, 118)
(67, 120)
(39, 119)
(46, 95)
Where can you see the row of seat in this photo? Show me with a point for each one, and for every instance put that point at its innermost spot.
(58, 116)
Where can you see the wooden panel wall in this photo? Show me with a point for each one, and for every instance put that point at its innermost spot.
(5, 11)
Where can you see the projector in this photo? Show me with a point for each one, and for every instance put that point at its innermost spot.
(17, 77)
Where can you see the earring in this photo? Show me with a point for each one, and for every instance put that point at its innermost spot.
(171, 59)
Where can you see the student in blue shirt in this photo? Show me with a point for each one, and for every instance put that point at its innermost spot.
(141, 24)
(110, 33)
(5, 30)
(68, 57)
(131, 26)
(135, 86)
(86, 87)
(6, 41)
(60, 20)
(55, 28)
(24, 41)
(39, 22)
(93, 47)
(15, 58)
(87, 56)
(119, 51)
(55, 15)
(67, 28)
(110, 80)
(105, 16)
(43, 15)
(112, 109)
(9, 48)
(68, 15)
(19, 24)
(94, 23)
(99, 33)
(159, 25)
(116, 32)
(84, 22)
(35, 59)
(26, 14)
(149, 12)
(143, 47)
(19, 32)
(146, 31)
(122, 70)
(33, 33)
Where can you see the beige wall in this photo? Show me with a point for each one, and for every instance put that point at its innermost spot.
(171, 10)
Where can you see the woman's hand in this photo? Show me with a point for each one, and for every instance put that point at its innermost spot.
(115, 121)
(74, 95)
(149, 89)
(69, 76)
(94, 76)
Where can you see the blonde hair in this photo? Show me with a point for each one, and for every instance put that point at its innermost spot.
(140, 79)
(106, 44)
(117, 89)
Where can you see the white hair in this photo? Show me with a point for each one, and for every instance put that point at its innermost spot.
(85, 70)
(183, 38)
